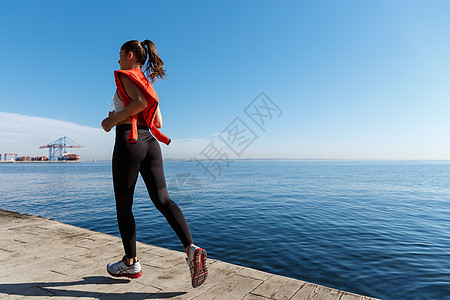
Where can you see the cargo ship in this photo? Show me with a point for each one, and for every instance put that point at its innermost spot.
(31, 158)
(69, 156)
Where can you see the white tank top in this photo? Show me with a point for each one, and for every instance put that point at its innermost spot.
(118, 104)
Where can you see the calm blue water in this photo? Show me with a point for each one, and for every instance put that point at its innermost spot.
(377, 228)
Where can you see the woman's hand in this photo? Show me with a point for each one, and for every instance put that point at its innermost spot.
(110, 121)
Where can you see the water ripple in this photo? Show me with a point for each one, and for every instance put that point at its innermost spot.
(373, 228)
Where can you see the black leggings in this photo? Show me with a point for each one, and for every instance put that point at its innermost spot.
(145, 157)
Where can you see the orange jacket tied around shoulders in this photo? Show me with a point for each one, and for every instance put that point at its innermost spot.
(138, 77)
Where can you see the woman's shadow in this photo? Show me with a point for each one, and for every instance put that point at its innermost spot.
(51, 289)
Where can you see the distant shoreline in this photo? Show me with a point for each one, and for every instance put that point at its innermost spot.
(38, 161)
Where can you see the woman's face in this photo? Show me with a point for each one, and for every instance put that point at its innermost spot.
(123, 60)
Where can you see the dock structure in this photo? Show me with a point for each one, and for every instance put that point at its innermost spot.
(44, 258)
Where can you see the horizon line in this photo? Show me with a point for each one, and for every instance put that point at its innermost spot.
(290, 159)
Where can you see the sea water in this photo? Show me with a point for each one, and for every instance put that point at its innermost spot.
(377, 228)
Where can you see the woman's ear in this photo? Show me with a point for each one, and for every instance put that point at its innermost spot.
(130, 55)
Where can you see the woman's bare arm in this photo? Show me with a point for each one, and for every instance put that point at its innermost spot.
(158, 118)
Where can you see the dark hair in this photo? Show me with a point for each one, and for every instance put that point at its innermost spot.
(142, 50)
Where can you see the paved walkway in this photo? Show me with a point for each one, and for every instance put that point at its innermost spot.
(46, 259)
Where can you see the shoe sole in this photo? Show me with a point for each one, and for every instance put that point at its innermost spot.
(200, 269)
(132, 276)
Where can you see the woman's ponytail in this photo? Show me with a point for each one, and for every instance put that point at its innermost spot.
(154, 66)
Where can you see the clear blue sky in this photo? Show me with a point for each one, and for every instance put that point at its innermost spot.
(354, 79)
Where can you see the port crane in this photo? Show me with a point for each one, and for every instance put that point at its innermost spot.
(57, 149)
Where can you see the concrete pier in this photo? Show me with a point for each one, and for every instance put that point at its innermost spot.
(46, 259)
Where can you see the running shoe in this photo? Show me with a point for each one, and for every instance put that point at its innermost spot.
(196, 261)
(121, 269)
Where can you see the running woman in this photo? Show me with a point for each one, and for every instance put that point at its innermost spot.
(137, 118)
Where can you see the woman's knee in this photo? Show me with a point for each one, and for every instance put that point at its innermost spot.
(164, 204)
(123, 206)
